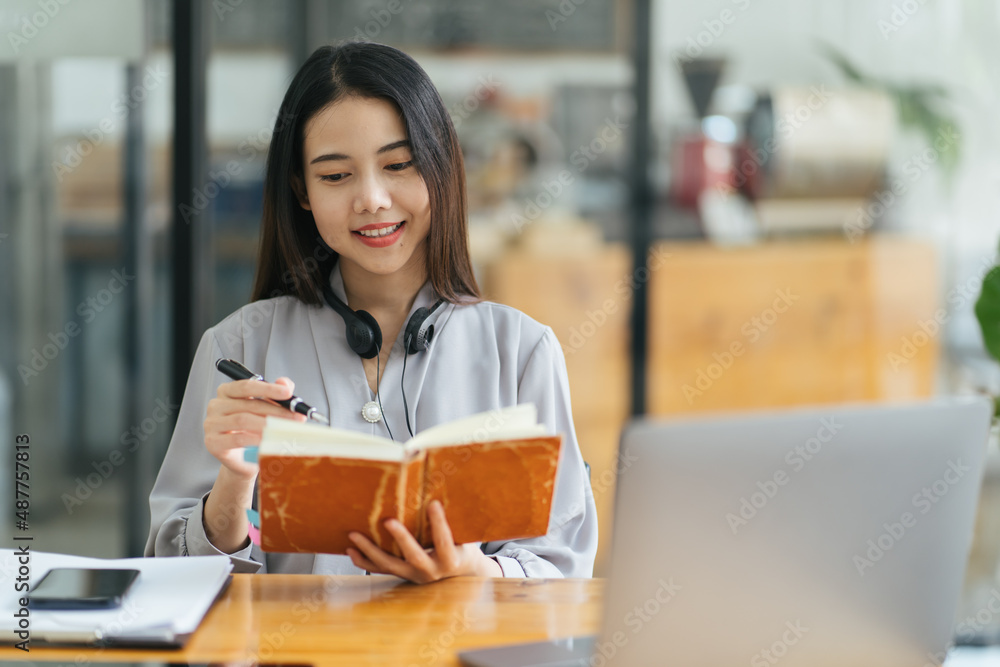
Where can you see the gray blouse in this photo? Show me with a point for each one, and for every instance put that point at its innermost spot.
(482, 357)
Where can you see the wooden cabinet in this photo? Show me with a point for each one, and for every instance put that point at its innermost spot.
(586, 297)
(792, 323)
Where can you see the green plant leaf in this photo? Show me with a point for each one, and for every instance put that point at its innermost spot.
(918, 107)
(988, 311)
(843, 64)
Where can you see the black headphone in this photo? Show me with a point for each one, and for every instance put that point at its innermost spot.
(364, 335)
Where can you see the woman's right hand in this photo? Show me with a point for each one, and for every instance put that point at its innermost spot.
(235, 419)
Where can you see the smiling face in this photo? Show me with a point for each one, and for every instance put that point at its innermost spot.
(369, 201)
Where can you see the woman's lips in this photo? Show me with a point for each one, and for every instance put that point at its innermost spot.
(383, 240)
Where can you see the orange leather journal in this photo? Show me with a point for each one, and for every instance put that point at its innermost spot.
(494, 473)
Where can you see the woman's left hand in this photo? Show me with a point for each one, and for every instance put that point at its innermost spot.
(421, 566)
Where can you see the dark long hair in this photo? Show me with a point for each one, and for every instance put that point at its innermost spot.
(292, 257)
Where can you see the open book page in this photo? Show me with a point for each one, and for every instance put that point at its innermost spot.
(517, 421)
(283, 437)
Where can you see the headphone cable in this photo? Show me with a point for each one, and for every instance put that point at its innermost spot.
(402, 389)
(378, 386)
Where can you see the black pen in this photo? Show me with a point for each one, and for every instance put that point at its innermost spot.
(238, 371)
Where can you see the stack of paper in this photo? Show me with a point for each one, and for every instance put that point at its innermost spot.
(163, 607)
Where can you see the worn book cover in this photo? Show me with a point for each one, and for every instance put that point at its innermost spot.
(494, 473)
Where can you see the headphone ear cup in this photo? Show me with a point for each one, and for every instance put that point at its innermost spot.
(363, 334)
(425, 340)
(416, 337)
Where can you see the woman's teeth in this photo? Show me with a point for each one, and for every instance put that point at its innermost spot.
(385, 231)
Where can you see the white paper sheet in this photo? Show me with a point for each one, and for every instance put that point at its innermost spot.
(169, 598)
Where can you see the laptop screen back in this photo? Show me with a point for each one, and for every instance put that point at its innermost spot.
(817, 537)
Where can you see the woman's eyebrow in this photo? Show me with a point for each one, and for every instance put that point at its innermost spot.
(329, 157)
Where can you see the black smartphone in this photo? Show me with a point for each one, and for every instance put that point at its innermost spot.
(81, 588)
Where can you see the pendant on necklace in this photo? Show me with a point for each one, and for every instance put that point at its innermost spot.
(371, 412)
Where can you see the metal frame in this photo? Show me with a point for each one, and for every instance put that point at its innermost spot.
(191, 225)
(138, 315)
(8, 81)
(642, 198)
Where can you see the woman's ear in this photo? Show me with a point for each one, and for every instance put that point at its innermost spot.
(299, 188)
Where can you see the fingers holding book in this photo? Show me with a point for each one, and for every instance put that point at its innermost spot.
(420, 565)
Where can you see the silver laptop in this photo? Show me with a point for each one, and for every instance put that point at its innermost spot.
(816, 537)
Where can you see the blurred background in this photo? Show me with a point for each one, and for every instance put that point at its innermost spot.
(717, 205)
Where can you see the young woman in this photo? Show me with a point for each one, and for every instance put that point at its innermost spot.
(365, 205)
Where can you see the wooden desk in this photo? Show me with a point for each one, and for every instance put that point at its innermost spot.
(358, 620)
